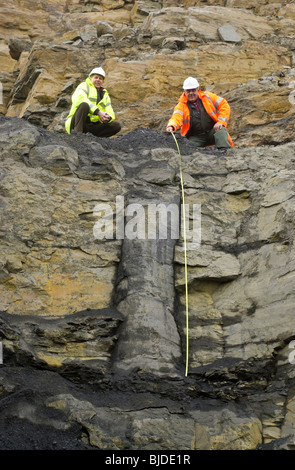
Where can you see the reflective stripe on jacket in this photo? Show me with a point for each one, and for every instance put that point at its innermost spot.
(86, 92)
(216, 106)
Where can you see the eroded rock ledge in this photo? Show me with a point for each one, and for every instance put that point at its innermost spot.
(93, 331)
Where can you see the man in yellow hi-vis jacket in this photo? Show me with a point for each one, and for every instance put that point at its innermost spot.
(91, 109)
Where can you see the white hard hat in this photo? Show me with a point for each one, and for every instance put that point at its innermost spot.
(190, 83)
(99, 71)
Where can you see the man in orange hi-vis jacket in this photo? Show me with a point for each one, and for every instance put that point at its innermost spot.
(202, 116)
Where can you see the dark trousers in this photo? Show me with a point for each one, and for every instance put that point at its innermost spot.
(219, 138)
(81, 123)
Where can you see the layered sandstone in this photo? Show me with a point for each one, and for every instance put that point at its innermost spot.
(93, 329)
(83, 313)
(147, 49)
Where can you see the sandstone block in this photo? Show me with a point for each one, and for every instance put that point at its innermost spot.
(59, 159)
(228, 34)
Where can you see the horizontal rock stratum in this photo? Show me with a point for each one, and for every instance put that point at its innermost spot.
(93, 329)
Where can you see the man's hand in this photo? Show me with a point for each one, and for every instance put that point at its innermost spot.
(170, 129)
(217, 126)
(104, 117)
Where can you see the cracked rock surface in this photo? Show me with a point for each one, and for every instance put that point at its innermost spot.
(94, 329)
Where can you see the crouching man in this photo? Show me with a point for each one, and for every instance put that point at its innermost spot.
(91, 109)
(202, 116)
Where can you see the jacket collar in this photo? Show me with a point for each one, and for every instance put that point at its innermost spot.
(183, 98)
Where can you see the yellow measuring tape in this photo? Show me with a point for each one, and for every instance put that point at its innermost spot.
(185, 256)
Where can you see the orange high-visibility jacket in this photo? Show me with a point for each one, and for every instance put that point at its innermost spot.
(216, 106)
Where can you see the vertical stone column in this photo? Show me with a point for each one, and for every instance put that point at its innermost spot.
(149, 340)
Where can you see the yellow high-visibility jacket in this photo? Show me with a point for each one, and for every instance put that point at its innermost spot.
(216, 106)
(88, 93)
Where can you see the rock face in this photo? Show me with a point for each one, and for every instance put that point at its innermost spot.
(94, 327)
(148, 49)
(93, 321)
